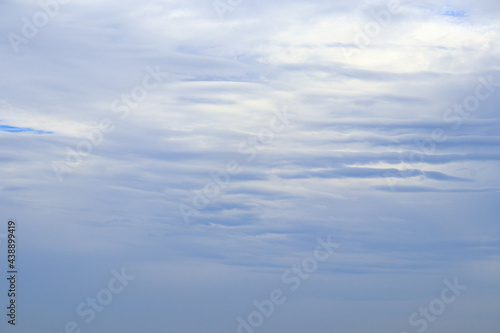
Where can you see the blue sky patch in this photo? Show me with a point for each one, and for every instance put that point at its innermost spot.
(14, 129)
(455, 13)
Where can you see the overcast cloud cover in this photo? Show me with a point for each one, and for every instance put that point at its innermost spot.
(388, 143)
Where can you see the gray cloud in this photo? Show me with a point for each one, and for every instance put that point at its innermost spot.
(357, 160)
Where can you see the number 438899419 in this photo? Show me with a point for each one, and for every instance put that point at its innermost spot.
(12, 244)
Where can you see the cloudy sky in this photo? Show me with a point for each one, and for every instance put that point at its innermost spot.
(205, 148)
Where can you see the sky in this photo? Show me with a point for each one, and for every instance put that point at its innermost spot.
(251, 166)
